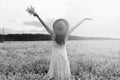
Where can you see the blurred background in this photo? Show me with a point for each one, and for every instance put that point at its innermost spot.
(105, 14)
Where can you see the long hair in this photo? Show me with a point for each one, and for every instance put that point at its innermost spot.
(60, 39)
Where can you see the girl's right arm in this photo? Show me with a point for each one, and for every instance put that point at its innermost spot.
(31, 11)
(73, 28)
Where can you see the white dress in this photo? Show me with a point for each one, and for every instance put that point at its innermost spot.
(59, 65)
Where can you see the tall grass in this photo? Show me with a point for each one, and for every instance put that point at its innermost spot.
(89, 60)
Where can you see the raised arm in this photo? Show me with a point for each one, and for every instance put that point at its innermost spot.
(72, 29)
(32, 11)
(46, 27)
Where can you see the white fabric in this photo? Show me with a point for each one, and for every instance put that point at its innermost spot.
(59, 65)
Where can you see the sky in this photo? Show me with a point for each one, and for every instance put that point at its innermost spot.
(105, 16)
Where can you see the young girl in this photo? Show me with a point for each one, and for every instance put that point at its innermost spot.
(59, 66)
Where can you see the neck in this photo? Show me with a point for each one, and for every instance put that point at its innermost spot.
(60, 39)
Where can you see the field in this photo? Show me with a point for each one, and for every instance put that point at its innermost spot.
(89, 60)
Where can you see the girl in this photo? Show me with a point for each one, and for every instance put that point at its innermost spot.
(59, 66)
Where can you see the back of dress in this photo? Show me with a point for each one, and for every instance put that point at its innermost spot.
(59, 49)
(59, 66)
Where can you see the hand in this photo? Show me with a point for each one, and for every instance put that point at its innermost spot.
(87, 18)
(31, 11)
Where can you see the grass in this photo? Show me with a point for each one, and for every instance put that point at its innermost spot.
(89, 60)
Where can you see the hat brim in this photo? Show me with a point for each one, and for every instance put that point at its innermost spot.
(60, 26)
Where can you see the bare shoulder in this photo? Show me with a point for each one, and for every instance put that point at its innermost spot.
(53, 36)
(67, 36)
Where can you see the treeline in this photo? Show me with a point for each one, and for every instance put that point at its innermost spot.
(25, 37)
(44, 37)
(29, 37)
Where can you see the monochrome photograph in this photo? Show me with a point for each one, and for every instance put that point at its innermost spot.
(59, 40)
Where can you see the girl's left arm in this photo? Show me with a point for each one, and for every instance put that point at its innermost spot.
(46, 27)
(31, 10)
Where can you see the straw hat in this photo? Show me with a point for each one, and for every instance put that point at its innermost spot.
(60, 26)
